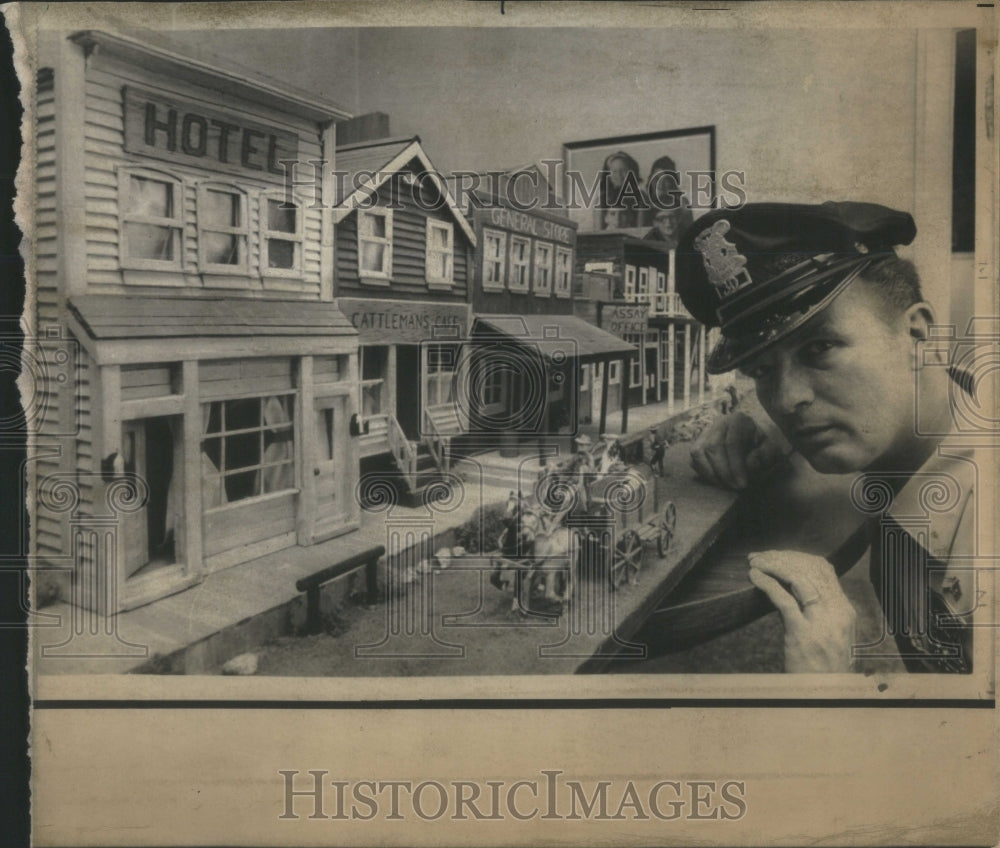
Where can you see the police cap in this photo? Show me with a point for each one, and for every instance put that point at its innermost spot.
(764, 269)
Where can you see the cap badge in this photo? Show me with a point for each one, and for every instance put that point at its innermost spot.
(725, 266)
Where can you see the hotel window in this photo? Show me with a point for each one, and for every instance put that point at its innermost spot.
(375, 244)
(494, 259)
(520, 263)
(222, 229)
(248, 447)
(280, 236)
(152, 220)
(584, 377)
(665, 355)
(543, 269)
(440, 250)
(564, 271)
(630, 283)
(374, 361)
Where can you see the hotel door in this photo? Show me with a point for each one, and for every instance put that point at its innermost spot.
(330, 465)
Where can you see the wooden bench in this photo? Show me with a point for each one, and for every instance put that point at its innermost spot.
(312, 584)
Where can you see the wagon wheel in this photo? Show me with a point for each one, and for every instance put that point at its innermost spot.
(628, 558)
(667, 528)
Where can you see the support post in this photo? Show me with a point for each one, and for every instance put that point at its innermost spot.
(605, 369)
(626, 381)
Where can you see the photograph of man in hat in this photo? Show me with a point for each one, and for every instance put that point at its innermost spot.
(815, 306)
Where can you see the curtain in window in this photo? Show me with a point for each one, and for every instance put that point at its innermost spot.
(280, 447)
(172, 521)
(212, 492)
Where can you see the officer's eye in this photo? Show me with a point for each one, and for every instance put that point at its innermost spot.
(757, 371)
(817, 348)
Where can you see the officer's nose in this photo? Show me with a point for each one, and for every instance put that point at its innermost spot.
(791, 389)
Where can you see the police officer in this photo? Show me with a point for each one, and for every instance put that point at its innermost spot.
(816, 307)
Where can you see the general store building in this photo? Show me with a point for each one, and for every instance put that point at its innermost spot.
(530, 371)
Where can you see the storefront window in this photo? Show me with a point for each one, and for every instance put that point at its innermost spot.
(373, 371)
(564, 271)
(493, 383)
(543, 269)
(375, 244)
(520, 259)
(248, 448)
(281, 236)
(151, 220)
(635, 369)
(494, 256)
(440, 246)
(222, 229)
(440, 373)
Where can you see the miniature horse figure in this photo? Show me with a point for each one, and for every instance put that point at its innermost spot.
(530, 537)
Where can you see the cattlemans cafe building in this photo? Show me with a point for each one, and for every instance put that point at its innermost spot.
(403, 251)
(209, 378)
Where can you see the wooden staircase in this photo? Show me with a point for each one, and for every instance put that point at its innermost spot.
(427, 461)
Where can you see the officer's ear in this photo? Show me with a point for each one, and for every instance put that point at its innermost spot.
(918, 319)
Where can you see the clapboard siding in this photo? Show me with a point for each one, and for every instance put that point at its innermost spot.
(47, 525)
(225, 378)
(104, 155)
(409, 252)
(247, 523)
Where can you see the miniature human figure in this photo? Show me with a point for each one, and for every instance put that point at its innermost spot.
(658, 448)
(830, 325)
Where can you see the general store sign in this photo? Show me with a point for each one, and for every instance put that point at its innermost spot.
(176, 130)
(621, 321)
(405, 321)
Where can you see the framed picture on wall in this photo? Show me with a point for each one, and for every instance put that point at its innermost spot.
(652, 184)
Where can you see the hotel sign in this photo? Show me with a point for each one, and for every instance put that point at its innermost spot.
(625, 320)
(405, 321)
(176, 130)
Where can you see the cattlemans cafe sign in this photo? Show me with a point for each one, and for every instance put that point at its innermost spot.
(622, 321)
(174, 130)
(405, 321)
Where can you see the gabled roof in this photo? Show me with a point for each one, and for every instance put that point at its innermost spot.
(383, 158)
(156, 53)
(483, 194)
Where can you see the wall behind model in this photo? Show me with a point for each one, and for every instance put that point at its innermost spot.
(807, 114)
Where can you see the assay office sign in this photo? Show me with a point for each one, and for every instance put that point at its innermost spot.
(622, 321)
(175, 130)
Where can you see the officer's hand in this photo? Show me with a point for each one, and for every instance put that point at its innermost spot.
(819, 619)
(733, 450)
